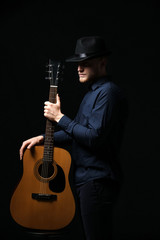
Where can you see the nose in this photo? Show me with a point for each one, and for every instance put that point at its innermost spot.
(80, 68)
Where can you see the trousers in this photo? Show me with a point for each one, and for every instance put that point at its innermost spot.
(95, 200)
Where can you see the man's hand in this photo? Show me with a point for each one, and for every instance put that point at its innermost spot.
(52, 111)
(30, 143)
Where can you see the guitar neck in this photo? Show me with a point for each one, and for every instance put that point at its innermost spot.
(50, 126)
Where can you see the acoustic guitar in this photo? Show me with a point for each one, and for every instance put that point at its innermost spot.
(43, 198)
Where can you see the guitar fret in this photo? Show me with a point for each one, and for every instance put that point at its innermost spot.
(49, 139)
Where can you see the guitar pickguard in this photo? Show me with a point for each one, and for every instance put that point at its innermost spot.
(57, 185)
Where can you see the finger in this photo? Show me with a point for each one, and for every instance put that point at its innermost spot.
(25, 144)
(21, 154)
(30, 145)
(47, 103)
(45, 112)
(21, 151)
(58, 100)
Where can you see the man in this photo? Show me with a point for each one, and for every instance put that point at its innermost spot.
(95, 134)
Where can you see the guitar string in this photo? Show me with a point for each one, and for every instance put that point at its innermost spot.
(47, 159)
(45, 165)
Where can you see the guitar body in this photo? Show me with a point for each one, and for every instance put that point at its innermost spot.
(44, 200)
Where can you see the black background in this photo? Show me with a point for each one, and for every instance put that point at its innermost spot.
(31, 32)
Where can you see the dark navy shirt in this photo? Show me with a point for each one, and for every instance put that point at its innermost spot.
(95, 132)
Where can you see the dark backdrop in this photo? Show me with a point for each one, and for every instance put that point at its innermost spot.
(34, 31)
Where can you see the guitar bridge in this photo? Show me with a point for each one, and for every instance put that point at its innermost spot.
(44, 197)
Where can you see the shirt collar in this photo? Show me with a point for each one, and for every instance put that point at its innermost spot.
(99, 82)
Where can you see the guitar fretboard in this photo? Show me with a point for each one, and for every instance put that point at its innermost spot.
(49, 139)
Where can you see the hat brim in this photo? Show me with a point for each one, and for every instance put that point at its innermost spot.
(83, 56)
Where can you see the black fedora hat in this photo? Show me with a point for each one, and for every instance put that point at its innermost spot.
(89, 47)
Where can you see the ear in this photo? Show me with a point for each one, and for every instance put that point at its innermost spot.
(104, 62)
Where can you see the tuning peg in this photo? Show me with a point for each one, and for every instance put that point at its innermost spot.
(49, 65)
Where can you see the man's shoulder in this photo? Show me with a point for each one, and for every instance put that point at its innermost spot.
(110, 86)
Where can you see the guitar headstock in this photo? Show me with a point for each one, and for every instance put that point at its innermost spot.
(55, 72)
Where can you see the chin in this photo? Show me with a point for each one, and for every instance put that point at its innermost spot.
(83, 79)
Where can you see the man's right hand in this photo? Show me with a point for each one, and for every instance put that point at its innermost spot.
(30, 143)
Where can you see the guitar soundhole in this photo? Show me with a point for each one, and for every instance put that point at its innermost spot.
(46, 170)
(51, 173)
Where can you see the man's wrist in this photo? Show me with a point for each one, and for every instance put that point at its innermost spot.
(59, 117)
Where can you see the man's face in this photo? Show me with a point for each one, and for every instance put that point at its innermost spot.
(90, 69)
